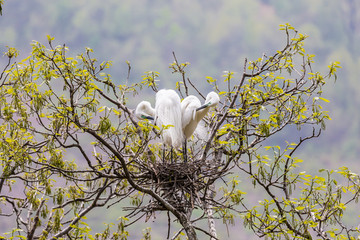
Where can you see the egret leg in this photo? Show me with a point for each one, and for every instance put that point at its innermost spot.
(171, 155)
(163, 156)
(185, 151)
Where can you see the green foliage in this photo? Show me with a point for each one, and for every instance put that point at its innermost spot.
(61, 94)
(71, 142)
(239, 29)
(304, 201)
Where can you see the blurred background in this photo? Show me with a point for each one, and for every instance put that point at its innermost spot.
(214, 36)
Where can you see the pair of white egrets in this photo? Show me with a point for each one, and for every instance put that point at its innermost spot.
(181, 117)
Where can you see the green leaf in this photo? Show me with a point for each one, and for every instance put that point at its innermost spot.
(324, 99)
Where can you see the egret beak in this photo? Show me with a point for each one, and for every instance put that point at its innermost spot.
(203, 106)
(147, 117)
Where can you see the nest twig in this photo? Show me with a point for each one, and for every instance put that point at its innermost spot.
(179, 184)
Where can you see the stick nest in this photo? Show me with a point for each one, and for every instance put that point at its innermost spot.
(181, 184)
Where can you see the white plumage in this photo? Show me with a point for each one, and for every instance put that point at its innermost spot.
(168, 113)
(189, 116)
(144, 110)
(178, 121)
(192, 112)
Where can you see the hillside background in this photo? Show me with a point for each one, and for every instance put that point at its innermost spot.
(214, 36)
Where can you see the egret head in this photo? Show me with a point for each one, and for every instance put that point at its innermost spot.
(144, 111)
(212, 99)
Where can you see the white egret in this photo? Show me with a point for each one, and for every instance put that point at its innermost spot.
(189, 116)
(167, 113)
(212, 99)
(192, 112)
(144, 111)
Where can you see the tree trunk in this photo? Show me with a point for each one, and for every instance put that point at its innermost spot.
(189, 228)
(208, 208)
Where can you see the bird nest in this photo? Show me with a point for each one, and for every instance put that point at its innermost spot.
(180, 184)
